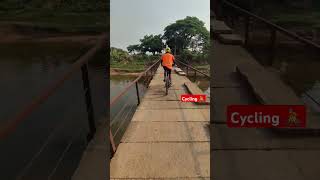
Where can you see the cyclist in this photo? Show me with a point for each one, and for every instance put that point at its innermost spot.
(167, 61)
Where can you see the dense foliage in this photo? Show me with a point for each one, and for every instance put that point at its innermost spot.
(188, 33)
(119, 55)
(149, 43)
(187, 37)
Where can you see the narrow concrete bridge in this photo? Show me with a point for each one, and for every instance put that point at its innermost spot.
(166, 138)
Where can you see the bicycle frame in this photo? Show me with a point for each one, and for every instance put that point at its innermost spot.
(167, 81)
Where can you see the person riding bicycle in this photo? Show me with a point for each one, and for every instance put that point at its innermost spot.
(167, 61)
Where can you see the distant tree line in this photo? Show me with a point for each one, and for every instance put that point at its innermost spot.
(149, 43)
(186, 34)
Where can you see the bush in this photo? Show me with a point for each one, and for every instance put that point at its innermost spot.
(119, 55)
(194, 57)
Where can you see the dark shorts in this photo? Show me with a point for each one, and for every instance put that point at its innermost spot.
(167, 69)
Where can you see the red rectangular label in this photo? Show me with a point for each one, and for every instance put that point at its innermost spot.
(193, 98)
(266, 116)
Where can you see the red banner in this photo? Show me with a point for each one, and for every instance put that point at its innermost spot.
(193, 98)
(266, 116)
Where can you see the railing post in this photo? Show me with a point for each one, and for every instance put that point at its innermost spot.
(148, 78)
(214, 5)
(246, 30)
(187, 70)
(86, 87)
(137, 88)
(232, 20)
(272, 46)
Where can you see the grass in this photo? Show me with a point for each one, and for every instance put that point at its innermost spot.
(298, 19)
(58, 20)
(133, 63)
(202, 66)
(291, 16)
(132, 66)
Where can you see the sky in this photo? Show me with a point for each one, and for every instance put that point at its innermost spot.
(130, 20)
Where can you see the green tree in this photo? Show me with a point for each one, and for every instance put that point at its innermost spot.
(134, 48)
(186, 33)
(151, 43)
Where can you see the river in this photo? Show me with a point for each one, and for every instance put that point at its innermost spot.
(51, 140)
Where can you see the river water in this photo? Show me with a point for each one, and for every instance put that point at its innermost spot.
(50, 141)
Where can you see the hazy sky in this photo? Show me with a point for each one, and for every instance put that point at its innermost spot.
(132, 19)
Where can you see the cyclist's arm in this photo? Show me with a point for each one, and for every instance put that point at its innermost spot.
(161, 62)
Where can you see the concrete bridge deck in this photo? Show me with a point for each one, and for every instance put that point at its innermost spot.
(166, 138)
(254, 153)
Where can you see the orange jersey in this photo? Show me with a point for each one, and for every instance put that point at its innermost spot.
(167, 60)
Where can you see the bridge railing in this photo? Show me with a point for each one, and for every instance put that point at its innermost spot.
(265, 39)
(46, 138)
(294, 54)
(123, 105)
(187, 68)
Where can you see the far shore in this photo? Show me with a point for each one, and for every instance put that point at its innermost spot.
(24, 32)
(123, 72)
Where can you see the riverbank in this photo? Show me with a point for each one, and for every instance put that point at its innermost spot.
(51, 24)
(205, 68)
(55, 20)
(123, 72)
(27, 32)
(132, 67)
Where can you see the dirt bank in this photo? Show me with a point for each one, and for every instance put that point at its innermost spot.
(119, 72)
(11, 33)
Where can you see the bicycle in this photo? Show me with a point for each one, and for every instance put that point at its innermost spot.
(167, 81)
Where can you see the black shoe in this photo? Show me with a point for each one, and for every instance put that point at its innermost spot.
(164, 80)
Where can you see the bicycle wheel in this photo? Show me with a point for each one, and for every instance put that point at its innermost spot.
(167, 84)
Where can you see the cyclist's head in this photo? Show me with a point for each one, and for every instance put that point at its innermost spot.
(168, 50)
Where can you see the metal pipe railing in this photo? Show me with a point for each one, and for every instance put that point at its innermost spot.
(271, 25)
(151, 69)
(132, 83)
(188, 66)
(52, 88)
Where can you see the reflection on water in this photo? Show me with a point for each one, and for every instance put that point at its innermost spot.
(203, 83)
(118, 83)
(122, 111)
(298, 64)
(304, 78)
(59, 124)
